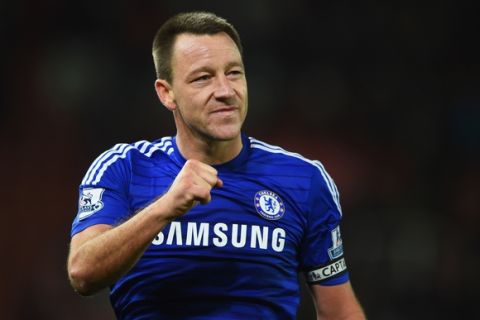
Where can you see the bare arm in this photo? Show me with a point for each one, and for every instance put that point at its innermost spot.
(101, 254)
(336, 302)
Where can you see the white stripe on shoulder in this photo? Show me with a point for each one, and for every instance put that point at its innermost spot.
(144, 147)
(254, 143)
(123, 147)
(164, 144)
(118, 148)
(109, 163)
(331, 185)
(121, 152)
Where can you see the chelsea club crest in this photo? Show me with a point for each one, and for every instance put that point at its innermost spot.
(269, 205)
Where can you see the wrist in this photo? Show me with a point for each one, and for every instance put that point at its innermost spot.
(162, 210)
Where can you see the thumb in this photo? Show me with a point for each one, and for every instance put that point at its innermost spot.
(219, 183)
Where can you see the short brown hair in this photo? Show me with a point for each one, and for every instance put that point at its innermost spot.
(198, 23)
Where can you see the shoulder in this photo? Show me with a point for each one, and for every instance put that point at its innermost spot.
(263, 149)
(122, 156)
(296, 164)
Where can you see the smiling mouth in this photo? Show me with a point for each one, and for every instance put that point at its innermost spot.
(225, 110)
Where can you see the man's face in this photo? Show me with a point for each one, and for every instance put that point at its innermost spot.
(209, 86)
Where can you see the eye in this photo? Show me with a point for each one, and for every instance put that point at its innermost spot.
(204, 77)
(235, 73)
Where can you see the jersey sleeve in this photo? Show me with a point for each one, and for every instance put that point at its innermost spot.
(322, 257)
(103, 193)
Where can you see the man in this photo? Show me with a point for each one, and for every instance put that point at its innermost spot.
(209, 224)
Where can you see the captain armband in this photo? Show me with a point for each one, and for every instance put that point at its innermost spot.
(324, 272)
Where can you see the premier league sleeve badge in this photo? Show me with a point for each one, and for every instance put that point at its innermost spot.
(90, 202)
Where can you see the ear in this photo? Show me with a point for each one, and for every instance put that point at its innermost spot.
(165, 94)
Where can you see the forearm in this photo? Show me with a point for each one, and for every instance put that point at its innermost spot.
(103, 259)
(336, 302)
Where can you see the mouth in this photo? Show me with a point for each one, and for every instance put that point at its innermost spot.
(225, 110)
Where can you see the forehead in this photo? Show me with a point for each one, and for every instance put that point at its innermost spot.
(191, 50)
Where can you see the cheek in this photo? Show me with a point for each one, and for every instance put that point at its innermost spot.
(192, 106)
(187, 99)
(241, 90)
(198, 97)
(245, 95)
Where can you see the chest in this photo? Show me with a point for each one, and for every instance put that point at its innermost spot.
(250, 215)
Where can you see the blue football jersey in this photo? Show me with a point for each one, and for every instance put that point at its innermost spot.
(238, 257)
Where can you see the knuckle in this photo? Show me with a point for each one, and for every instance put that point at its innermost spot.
(191, 163)
(204, 193)
(188, 165)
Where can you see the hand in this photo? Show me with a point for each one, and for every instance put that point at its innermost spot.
(192, 185)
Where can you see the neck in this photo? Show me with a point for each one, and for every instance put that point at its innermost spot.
(207, 150)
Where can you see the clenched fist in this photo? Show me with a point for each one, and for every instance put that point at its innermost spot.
(192, 185)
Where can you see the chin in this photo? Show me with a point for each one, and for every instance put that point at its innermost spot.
(225, 135)
(224, 132)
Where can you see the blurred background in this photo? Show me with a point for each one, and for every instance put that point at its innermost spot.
(385, 94)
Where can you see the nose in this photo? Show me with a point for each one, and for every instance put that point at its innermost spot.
(223, 88)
